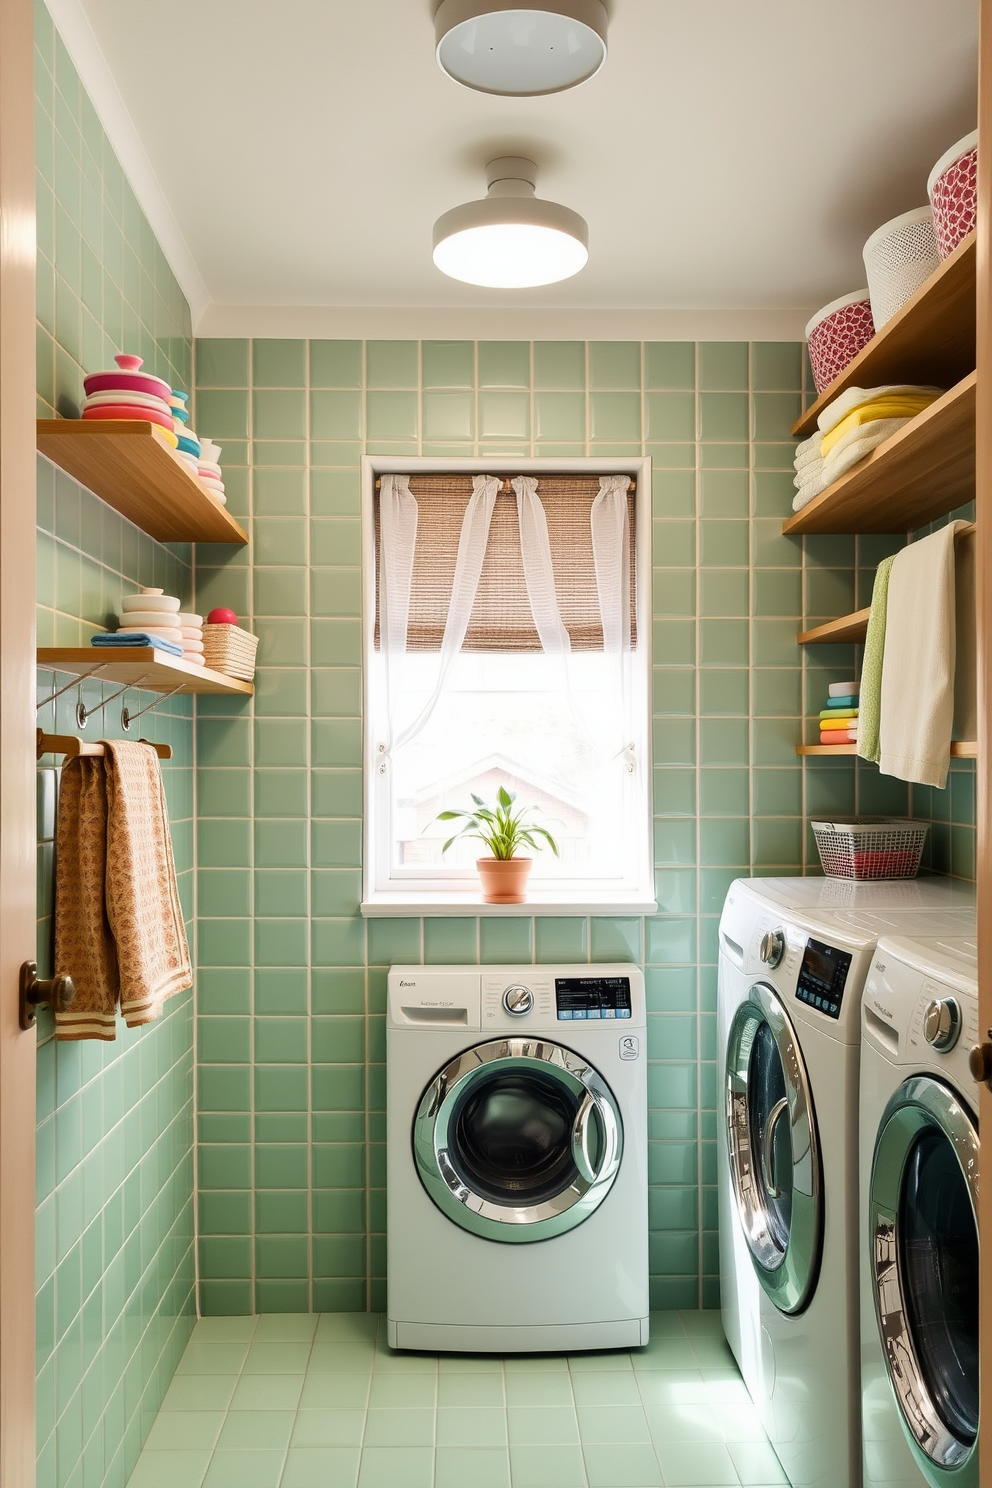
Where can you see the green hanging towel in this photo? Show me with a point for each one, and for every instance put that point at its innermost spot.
(871, 666)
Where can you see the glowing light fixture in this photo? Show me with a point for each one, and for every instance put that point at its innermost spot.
(510, 239)
(520, 48)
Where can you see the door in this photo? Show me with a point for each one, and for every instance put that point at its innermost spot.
(518, 1140)
(17, 764)
(773, 1150)
(923, 1234)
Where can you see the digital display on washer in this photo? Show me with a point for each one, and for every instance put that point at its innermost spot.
(822, 977)
(592, 997)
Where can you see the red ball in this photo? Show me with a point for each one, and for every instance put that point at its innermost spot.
(222, 617)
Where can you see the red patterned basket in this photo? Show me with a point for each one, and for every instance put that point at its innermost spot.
(836, 334)
(953, 192)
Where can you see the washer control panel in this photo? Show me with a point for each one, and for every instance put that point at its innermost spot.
(822, 977)
(581, 998)
(519, 998)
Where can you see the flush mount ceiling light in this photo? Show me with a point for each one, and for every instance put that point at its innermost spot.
(510, 239)
(519, 48)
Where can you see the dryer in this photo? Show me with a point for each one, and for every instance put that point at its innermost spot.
(794, 954)
(919, 1227)
(516, 1186)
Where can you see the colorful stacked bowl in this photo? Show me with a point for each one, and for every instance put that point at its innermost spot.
(209, 469)
(151, 612)
(129, 393)
(191, 629)
(187, 444)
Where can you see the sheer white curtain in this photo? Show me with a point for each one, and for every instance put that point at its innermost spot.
(398, 536)
(610, 522)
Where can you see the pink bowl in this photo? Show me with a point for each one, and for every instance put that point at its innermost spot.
(135, 382)
(953, 188)
(128, 411)
(836, 334)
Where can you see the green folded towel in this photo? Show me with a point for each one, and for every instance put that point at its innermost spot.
(871, 667)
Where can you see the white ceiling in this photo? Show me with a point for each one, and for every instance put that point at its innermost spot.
(732, 156)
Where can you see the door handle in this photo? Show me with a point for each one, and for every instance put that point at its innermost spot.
(580, 1139)
(768, 1152)
(57, 993)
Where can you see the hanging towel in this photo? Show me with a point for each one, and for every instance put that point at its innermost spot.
(118, 925)
(855, 396)
(917, 694)
(871, 666)
(84, 945)
(142, 896)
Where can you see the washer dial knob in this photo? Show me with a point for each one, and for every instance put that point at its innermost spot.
(772, 948)
(942, 1022)
(518, 1000)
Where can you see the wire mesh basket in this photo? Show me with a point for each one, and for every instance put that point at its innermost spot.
(873, 847)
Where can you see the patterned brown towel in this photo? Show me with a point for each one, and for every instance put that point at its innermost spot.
(142, 896)
(84, 945)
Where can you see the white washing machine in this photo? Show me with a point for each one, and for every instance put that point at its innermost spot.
(919, 1227)
(794, 954)
(516, 1187)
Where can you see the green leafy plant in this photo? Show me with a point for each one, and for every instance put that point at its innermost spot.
(500, 827)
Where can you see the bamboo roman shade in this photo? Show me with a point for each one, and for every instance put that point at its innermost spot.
(501, 617)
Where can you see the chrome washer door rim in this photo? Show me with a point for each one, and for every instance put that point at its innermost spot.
(788, 1276)
(920, 1103)
(503, 1222)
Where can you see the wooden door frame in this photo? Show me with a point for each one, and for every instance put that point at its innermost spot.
(17, 762)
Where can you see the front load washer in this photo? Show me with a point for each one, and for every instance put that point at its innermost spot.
(516, 1163)
(919, 1227)
(794, 954)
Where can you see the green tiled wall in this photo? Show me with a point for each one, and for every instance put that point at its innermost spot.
(292, 980)
(115, 1125)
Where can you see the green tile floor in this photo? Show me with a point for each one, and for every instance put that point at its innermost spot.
(319, 1401)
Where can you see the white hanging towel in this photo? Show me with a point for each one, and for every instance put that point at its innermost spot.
(917, 703)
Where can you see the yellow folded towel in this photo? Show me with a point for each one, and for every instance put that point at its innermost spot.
(882, 408)
(855, 396)
(118, 923)
(838, 723)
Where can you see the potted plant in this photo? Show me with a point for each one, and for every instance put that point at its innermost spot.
(503, 830)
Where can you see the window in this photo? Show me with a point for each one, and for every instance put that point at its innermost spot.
(507, 643)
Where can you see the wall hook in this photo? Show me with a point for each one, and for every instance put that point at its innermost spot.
(84, 714)
(57, 993)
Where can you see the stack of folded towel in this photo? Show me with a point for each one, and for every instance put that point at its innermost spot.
(839, 719)
(849, 428)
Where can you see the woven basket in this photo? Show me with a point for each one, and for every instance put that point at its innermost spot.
(876, 847)
(229, 649)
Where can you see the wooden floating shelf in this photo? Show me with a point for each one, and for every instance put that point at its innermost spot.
(140, 666)
(931, 340)
(966, 749)
(131, 466)
(847, 628)
(924, 471)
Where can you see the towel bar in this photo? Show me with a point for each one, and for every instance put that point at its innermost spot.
(74, 748)
(57, 993)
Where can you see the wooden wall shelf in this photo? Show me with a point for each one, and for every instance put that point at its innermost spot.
(966, 749)
(930, 341)
(140, 666)
(836, 632)
(130, 465)
(924, 471)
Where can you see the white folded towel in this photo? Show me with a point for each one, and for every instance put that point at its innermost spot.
(809, 493)
(917, 702)
(809, 458)
(875, 433)
(855, 396)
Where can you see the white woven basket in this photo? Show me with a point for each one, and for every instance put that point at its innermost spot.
(229, 649)
(899, 257)
(874, 847)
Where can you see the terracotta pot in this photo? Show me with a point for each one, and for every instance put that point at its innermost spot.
(504, 880)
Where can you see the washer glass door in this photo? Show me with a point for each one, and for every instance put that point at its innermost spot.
(924, 1259)
(518, 1139)
(774, 1154)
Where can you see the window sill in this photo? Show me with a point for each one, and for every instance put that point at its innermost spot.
(410, 905)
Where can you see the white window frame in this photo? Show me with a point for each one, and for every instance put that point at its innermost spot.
(426, 897)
